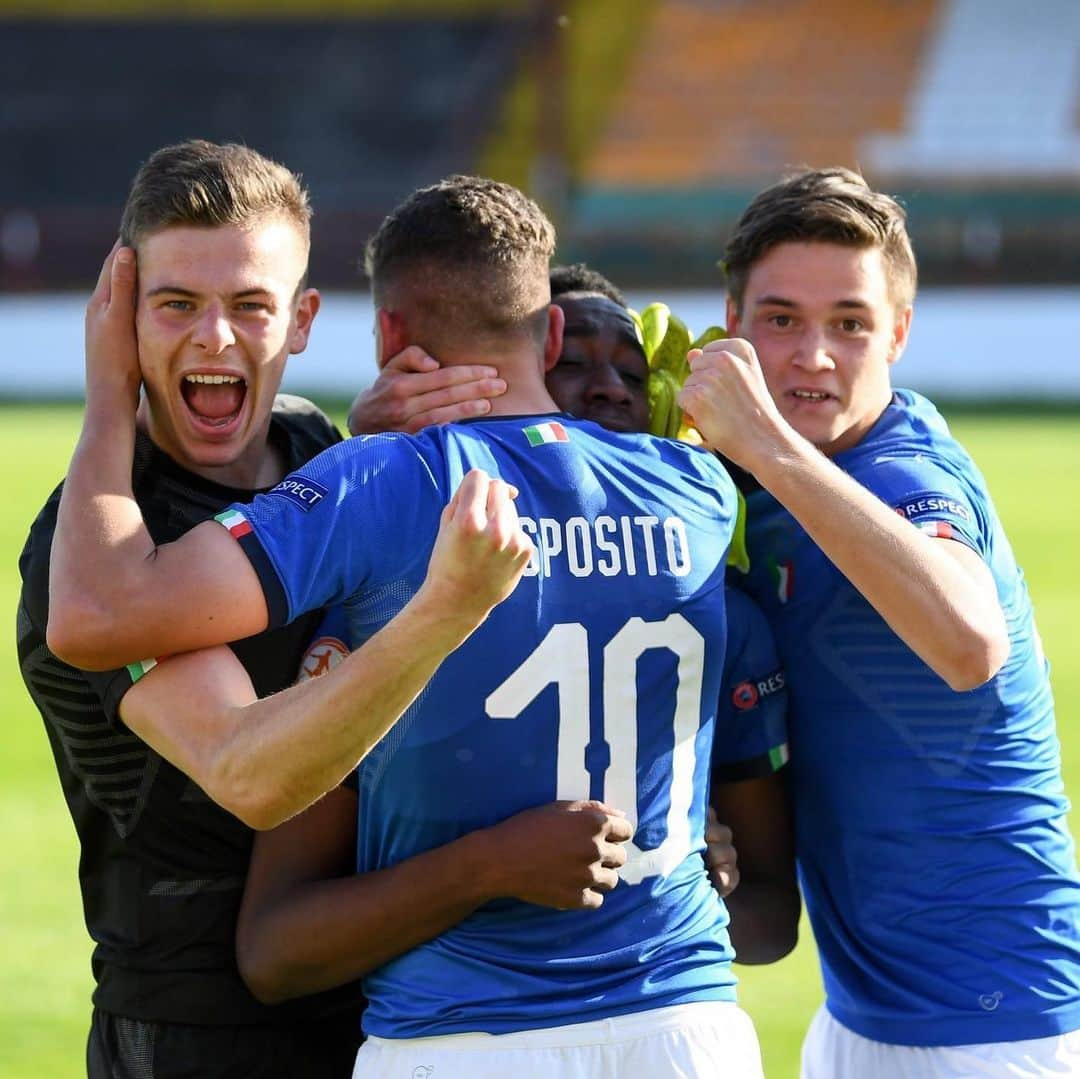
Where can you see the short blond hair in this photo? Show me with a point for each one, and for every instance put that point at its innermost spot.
(211, 184)
(471, 257)
(824, 206)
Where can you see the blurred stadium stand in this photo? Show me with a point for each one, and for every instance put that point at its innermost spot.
(998, 96)
(366, 107)
(733, 93)
(643, 125)
(969, 110)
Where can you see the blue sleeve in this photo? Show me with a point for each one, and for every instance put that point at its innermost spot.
(335, 527)
(751, 737)
(931, 496)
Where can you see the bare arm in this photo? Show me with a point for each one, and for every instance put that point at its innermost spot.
(765, 905)
(413, 391)
(116, 598)
(936, 594)
(305, 927)
(266, 759)
(113, 597)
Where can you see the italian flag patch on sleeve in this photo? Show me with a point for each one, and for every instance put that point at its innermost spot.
(235, 522)
(143, 667)
(779, 756)
(546, 432)
(937, 529)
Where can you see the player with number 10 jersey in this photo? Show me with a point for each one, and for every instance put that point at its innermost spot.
(597, 678)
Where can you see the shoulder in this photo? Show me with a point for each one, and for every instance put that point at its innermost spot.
(916, 467)
(360, 470)
(34, 560)
(911, 444)
(307, 429)
(749, 633)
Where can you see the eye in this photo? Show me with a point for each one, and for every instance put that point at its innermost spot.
(851, 325)
(781, 321)
(253, 305)
(631, 378)
(179, 305)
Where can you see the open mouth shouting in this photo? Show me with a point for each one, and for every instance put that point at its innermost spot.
(215, 402)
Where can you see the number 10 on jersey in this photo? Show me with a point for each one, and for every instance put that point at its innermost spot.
(563, 658)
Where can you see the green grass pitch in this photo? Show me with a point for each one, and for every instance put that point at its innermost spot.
(1031, 462)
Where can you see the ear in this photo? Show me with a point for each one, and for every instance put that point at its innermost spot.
(731, 318)
(901, 332)
(553, 342)
(307, 308)
(391, 335)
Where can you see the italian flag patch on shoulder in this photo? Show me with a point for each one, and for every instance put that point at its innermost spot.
(235, 522)
(546, 432)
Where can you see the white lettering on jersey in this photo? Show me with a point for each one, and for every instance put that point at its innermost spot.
(609, 546)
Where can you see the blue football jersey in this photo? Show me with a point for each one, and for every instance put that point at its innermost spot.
(937, 869)
(751, 737)
(597, 678)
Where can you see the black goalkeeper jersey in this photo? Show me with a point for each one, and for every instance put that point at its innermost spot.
(162, 866)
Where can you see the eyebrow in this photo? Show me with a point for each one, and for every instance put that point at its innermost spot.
(177, 290)
(783, 301)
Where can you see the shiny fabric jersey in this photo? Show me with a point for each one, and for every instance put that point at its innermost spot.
(597, 678)
(937, 869)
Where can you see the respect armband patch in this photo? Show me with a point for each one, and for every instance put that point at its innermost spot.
(912, 509)
(747, 695)
(300, 491)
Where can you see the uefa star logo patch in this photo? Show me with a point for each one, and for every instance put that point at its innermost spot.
(744, 696)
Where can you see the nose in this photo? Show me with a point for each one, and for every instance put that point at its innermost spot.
(606, 384)
(213, 332)
(812, 352)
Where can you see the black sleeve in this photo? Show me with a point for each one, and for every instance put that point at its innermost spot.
(51, 681)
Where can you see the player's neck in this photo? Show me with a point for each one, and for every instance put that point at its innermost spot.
(523, 372)
(523, 402)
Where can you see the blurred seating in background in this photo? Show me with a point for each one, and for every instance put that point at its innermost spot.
(643, 125)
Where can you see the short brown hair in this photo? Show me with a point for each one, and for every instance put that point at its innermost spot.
(470, 256)
(210, 184)
(828, 206)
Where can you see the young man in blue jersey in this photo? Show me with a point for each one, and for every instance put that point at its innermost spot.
(598, 676)
(602, 375)
(935, 861)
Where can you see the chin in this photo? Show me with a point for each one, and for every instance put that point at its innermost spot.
(215, 454)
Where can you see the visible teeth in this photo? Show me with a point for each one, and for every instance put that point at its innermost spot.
(810, 395)
(212, 380)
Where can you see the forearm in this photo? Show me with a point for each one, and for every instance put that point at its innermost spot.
(283, 752)
(764, 920)
(947, 617)
(362, 921)
(100, 541)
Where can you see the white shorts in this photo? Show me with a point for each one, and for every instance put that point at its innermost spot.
(831, 1051)
(713, 1040)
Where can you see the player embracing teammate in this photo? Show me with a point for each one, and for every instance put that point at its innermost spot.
(594, 678)
(934, 857)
